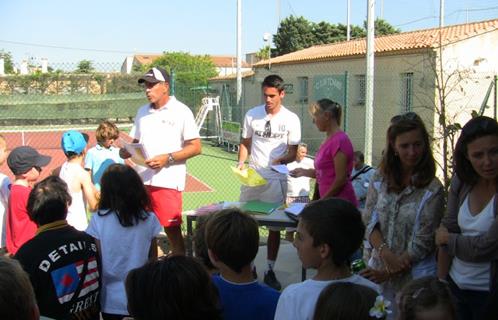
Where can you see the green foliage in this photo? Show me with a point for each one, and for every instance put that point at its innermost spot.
(138, 68)
(294, 33)
(382, 27)
(190, 71)
(297, 33)
(263, 53)
(85, 66)
(8, 64)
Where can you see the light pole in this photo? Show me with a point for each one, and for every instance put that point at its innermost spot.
(267, 40)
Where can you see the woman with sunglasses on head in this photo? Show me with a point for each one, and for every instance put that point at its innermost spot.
(334, 159)
(468, 236)
(403, 208)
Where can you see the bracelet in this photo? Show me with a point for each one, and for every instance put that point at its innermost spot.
(381, 247)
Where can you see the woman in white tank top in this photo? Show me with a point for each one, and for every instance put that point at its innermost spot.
(468, 236)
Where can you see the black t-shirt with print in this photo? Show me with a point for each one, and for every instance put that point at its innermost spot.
(64, 269)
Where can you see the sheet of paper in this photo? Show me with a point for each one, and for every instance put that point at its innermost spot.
(249, 177)
(295, 208)
(282, 168)
(137, 151)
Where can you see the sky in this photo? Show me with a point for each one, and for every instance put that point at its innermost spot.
(106, 31)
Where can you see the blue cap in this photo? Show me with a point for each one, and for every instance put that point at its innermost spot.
(74, 141)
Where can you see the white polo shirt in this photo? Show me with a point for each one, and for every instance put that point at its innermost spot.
(163, 131)
(285, 130)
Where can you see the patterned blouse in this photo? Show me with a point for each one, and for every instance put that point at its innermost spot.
(407, 221)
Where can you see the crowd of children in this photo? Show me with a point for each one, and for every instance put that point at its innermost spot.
(108, 268)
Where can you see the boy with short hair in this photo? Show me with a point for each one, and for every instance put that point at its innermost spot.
(26, 164)
(78, 180)
(63, 263)
(232, 238)
(104, 154)
(4, 195)
(328, 233)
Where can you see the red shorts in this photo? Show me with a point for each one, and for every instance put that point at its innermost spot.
(167, 204)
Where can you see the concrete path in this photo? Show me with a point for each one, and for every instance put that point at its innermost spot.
(287, 268)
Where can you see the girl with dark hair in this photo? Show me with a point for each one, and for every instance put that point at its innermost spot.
(403, 208)
(426, 298)
(334, 159)
(335, 300)
(468, 236)
(174, 287)
(125, 231)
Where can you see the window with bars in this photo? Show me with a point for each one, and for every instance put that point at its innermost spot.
(360, 89)
(406, 92)
(303, 89)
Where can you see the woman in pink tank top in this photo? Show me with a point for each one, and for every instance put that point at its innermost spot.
(334, 159)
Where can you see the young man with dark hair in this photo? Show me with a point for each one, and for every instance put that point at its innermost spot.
(232, 238)
(270, 135)
(62, 262)
(328, 233)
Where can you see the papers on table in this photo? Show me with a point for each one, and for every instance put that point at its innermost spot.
(253, 207)
(137, 151)
(260, 207)
(282, 168)
(249, 177)
(295, 209)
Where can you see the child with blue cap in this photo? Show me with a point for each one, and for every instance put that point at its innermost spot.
(78, 180)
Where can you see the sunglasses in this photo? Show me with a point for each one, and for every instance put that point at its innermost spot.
(408, 116)
(267, 132)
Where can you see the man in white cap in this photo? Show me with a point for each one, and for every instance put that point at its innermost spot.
(167, 130)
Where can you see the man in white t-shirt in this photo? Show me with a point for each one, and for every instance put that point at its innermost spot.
(298, 189)
(360, 177)
(166, 128)
(270, 135)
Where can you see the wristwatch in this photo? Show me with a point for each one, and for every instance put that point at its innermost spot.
(171, 160)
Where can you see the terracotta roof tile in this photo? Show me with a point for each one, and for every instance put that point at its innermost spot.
(427, 38)
(232, 76)
(227, 62)
(219, 61)
(146, 58)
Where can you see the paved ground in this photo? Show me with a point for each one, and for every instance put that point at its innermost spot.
(287, 267)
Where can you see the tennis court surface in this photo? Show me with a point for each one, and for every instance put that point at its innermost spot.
(47, 142)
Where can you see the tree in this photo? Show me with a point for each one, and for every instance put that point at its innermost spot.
(447, 101)
(189, 69)
(85, 66)
(7, 60)
(382, 27)
(297, 33)
(294, 33)
(325, 32)
(263, 53)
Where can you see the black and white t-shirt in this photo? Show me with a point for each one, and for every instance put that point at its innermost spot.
(64, 269)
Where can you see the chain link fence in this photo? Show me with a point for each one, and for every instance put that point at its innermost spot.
(67, 97)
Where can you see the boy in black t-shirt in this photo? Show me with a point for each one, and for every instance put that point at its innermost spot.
(61, 261)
